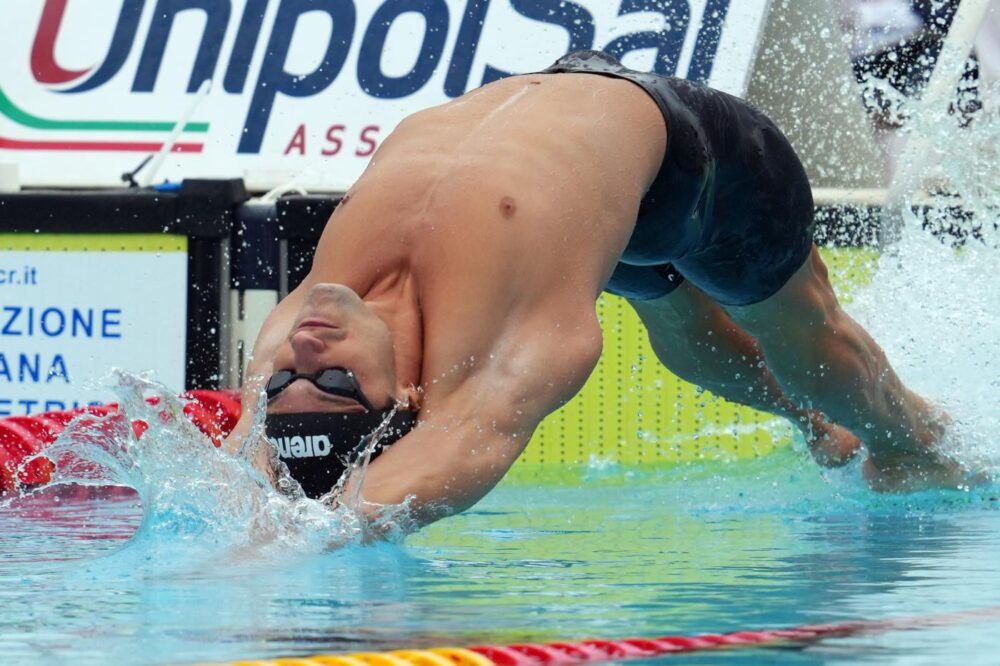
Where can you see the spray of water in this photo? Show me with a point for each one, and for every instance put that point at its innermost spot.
(934, 303)
(197, 499)
(936, 310)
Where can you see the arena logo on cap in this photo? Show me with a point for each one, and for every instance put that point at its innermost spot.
(310, 446)
(144, 27)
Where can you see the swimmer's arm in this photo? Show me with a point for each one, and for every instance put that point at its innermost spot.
(450, 461)
(469, 435)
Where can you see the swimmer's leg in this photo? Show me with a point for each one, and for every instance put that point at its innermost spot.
(697, 341)
(823, 358)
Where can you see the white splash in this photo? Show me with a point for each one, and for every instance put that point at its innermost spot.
(934, 302)
(192, 492)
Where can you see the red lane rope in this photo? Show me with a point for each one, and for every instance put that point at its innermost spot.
(644, 648)
(596, 651)
(215, 413)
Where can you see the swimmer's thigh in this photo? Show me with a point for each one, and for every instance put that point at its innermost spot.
(690, 333)
(694, 338)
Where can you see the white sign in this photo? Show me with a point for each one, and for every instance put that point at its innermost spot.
(66, 318)
(305, 89)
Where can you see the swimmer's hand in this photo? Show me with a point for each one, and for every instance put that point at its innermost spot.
(831, 445)
(377, 522)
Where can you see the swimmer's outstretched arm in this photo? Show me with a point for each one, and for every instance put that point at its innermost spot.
(461, 448)
(469, 434)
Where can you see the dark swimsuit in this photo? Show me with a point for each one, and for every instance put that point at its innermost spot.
(731, 208)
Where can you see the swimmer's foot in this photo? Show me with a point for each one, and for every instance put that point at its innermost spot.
(927, 472)
(925, 466)
(831, 445)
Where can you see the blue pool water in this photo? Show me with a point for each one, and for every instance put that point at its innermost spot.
(772, 543)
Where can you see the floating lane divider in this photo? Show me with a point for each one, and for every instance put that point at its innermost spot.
(215, 413)
(596, 651)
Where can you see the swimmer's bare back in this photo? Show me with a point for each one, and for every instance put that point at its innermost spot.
(506, 210)
(481, 234)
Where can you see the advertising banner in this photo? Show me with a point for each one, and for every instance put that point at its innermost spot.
(305, 90)
(73, 307)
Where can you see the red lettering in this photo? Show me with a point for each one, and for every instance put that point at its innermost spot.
(370, 143)
(298, 141)
(336, 142)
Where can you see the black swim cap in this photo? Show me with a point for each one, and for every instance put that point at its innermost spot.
(318, 446)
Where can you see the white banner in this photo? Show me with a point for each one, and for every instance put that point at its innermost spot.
(67, 318)
(305, 89)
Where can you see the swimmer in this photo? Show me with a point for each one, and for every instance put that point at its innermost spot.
(456, 283)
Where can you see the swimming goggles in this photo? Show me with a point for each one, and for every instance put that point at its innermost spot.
(334, 381)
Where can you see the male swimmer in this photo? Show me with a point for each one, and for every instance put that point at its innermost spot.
(457, 282)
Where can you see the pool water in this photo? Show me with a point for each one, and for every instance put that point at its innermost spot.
(625, 552)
